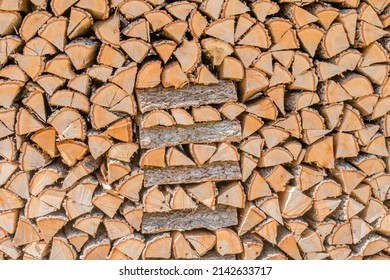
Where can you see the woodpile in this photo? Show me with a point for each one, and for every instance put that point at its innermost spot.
(216, 129)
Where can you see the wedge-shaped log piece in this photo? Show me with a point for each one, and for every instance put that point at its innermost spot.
(212, 8)
(83, 191)
(109, 204)
(371, 245)
(347, 176)
(270, 206)
(164, 49)
(96, 249)
(9, 200)
(263, 107)
(82, 52)
(72, 99)
(7, 148)
(326, 189)
(14, 72)
(335, 41)
(275, 156)
(181, 201)
(367, 33)
(31, 158)
(222, 29)
(18, 183)
(288, 244)
(83, 168)
(369, 164)
(157, 118)
(99, 8)
(50, 225)
(68, 123)
(225, 152)
(222, 216)
(89, 223)
(277, 177)
(228, 242)
(175, 30)
(153, 157)
(253, 82)
(59, 7)
(7, 118)
(131, 245)
(27, 122)
(232, 194)
(134, 8)
(222, 171)
(268, 230)
(109, 56)
(257, 187)
(197, 23)
(216, 50)
(249, 218)
(35, 101)
(54, 31)
(175, 157)
(158, 247)
(32, 65)
(61, 65)
(203, 192)
(11, 22)
(80, 21)
(373, 210)
(50, 83)
(62, 250)
(188, 54)
(121, 130)
(322, 208)
(257, 36)
(32, 23)
(321, 153)
(201, 240)
(72, 151)
(9, 90)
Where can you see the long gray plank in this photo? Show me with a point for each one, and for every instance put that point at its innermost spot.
(191, 95)
(158, 136)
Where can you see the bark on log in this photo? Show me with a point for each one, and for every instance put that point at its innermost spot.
(166, 98)
(203, 217)
(223, 171)
(224, 130)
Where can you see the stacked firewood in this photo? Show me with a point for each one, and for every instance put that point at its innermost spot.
(216, 129)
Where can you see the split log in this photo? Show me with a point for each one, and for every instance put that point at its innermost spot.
(201, 240)
(222, 216)
(181, 247)
(203, 193)
(158, 247)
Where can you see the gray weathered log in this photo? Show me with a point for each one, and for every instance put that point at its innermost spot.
(203, 217)
(194, 95)
(219, 171)
(209, 132)
(213, 255)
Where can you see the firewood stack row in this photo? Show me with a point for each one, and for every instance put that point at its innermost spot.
(217, 129)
